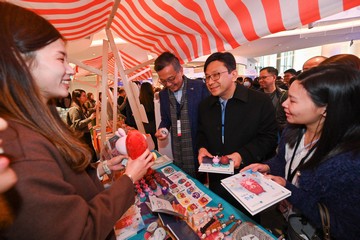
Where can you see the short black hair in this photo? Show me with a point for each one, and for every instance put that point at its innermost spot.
(291, 71)
(165, 59)
(225, 57)
(271, 70)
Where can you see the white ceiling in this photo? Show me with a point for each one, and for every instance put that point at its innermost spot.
(338, 28)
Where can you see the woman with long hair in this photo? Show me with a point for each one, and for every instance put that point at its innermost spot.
(58, 194)
(79, 119)
(90, 103)
(319, 153)
(146, 98)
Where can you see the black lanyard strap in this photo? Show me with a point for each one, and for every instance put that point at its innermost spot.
(291, 175)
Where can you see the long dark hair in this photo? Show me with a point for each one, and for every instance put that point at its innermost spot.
(146, 96)
(76, 94)
(337, 87)
(345, 59)
(22, 33)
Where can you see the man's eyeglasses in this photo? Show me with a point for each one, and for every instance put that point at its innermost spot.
(214, 76)
(169, 80)
(264, 77)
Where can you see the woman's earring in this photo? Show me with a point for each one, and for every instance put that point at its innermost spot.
(324, 113)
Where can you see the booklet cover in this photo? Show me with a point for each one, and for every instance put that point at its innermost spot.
(161, 161)
(109, 150)
(254, 191)
(164, 206)
(208, 165)
(179, 228)
(129, 224)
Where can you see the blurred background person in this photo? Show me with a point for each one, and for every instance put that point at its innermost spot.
(130, 120)
(146, 98)
(79, 119)
(267, 80)
(63, 105)
(256, 84)
(240, 80)
(121, 101)
(288, 74)
(90, 103)
(64, 102)
(313, 62)
(247, 82)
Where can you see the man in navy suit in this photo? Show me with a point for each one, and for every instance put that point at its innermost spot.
(179, 102)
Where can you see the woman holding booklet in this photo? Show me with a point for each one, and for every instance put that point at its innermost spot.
(318, 157)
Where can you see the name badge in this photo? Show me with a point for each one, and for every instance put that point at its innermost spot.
(178, 127)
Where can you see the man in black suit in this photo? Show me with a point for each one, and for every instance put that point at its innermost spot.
(234, 121)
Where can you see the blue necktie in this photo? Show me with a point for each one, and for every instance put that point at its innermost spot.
(223, 106)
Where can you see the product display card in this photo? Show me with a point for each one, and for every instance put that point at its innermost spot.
(254, 191)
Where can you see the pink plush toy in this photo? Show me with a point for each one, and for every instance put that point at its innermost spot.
(120, 143)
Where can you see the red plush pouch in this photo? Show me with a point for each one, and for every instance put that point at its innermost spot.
(135, 144)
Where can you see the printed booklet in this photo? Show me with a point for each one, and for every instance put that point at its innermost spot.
(207, 165)
(254, 191)
(163, 206)
(179, 228)
(129, 224)
(161, 161)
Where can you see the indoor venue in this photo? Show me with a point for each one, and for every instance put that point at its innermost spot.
(165, 120)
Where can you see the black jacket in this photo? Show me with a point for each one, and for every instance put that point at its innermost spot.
(250, 129)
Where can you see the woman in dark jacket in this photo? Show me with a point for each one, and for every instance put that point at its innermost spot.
(319, 155)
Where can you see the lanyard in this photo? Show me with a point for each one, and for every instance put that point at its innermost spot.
(223, 106)
(291, 175)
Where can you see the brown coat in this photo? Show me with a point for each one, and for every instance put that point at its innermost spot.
(54, 202)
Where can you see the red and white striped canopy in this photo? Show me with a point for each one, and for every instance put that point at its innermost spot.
(189, 29)
(129, 62)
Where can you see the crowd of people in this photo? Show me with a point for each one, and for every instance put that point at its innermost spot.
(303, 134)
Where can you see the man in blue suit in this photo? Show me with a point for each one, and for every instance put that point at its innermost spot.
(179, 102)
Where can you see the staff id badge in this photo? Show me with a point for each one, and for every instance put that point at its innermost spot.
(178, 127)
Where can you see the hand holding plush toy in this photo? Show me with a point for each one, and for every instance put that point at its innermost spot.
(133, 144)
(120, 144)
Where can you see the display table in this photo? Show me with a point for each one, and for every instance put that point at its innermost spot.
(149, 217)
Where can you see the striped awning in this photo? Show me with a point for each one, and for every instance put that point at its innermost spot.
(129, 62)
(189, 29)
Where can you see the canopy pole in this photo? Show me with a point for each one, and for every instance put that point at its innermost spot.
(129, 93)
(112, 14)
(144, 64)
(104, 95)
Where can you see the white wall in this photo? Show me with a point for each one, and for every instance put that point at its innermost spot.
(301, 55)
